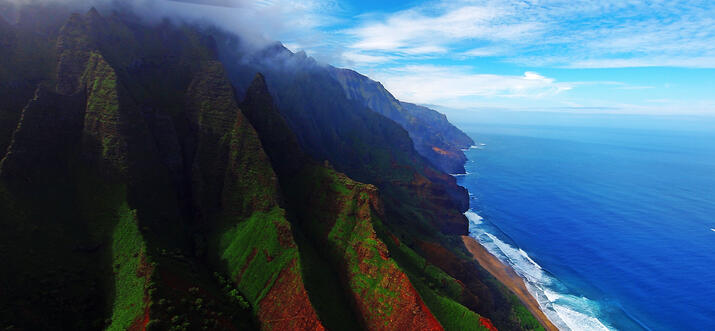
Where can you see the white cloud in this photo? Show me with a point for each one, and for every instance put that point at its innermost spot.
(484, 51)
(298, 23)
(452, 85)
(656, 61)
(415, 31)
(578, 33)
(365, 59)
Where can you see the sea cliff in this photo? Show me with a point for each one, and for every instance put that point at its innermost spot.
(162, 176)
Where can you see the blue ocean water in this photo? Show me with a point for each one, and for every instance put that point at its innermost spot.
(612, 226)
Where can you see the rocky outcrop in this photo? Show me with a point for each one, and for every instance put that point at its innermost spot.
(20, 73)
(436, 138)
(137, 193)
(99, 131)
(433, 136)
(338, 213)
(48, 131)
(237, 195)
(361, 143)
(73, 49)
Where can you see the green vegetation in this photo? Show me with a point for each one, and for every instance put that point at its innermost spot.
(324, 287)
(440, 291)
(230, 290)
(338, 213)
(128, 252)
(102, 114)
(523, 315)
(148, 198)
(449, 312)
(254, 254)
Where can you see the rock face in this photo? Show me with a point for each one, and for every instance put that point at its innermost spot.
(361, 143)
(96, 125)
(338, 213)
(138, 192)
(47, 117)
(236, 188)
(433, 136)
(437, 139)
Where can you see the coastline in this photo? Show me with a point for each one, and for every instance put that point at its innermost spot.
(507, 276)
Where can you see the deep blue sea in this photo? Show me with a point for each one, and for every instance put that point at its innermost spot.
(611, 222)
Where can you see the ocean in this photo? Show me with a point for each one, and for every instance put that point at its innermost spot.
(611, 220)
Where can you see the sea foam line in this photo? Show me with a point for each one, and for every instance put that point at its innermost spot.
(566, 311)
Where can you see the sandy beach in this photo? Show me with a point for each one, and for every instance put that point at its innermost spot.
(508, 277)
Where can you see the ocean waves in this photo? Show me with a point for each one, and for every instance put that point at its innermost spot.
(565, 310)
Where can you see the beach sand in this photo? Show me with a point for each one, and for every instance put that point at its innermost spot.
(506, 275)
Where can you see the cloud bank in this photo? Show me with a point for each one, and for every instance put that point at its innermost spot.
(573, 34)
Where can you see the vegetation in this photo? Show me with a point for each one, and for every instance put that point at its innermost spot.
(135, 194)
(440, 291)
(522, 314)
(131, 270)
(254, 253)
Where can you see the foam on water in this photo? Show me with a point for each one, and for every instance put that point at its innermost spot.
(480, 146)
(566, 311)
(464, 174)
(474, 218)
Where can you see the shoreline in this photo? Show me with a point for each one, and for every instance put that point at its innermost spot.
(507, 276)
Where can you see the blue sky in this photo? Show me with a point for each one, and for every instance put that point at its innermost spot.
(614, 56)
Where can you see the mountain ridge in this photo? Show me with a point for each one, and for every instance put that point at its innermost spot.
(140, 191)
(434, 137)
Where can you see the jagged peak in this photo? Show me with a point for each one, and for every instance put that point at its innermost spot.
(92, 12)
(258, 84)
(94, 20)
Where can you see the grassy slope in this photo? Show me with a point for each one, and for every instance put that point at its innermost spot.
(148, 274)
(249, 233)
(337, 213)
(440, 291)
(85, 243)
(254, 254)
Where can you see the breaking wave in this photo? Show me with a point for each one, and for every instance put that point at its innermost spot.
(566, 311)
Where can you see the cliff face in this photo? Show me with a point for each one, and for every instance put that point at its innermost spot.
(137, 192)
(361, 143)
(433, 136)
(120, 165)
(337, 215)
(26, 58)
(236, 193)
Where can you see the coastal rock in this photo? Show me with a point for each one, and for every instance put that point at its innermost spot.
(337, 213)
(433, 136)
(48, 131)
(236, 188)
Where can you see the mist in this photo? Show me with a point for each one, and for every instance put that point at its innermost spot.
(257, 25)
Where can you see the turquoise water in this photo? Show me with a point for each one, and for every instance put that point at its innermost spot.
(613, 226)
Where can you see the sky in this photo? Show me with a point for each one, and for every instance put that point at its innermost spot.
(613, 56)
(606, 56)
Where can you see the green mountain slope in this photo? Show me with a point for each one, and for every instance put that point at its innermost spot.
(434, 137)
(106, 155)
(139, 190)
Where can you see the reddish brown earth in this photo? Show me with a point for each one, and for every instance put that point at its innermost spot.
(406, 310)
(427, 322)
(287, 306)
(487, 324)
(409, 312)
(145, 270)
